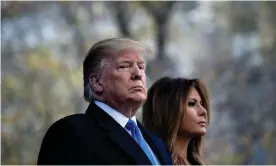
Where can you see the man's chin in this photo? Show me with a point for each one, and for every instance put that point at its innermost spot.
(141, 98)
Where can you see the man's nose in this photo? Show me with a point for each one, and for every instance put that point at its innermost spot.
(136, 72)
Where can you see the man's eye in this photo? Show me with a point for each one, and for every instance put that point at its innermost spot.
(142, 67)
(191, 103)
(123, 67)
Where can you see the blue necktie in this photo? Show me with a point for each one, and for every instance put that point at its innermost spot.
(137, 135)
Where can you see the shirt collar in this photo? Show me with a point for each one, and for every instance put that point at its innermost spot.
(116, 115)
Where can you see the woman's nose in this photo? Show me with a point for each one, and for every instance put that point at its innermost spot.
(202, 110)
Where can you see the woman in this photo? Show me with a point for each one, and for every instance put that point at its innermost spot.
(177, 110)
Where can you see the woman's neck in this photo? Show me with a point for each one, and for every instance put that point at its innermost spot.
(181, 147)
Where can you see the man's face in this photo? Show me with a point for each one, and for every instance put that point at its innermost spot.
(124, 79)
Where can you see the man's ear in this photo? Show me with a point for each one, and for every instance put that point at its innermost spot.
(96, 83)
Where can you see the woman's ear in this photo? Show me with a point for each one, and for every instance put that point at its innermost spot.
(96, 83)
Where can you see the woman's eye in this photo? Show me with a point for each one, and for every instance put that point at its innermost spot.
(191, 103)
(201, 103)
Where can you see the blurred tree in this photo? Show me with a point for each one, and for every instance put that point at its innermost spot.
(244, 84)
(122, 15)
(161, 13)
(69, 13)
(32, 92)
(32, 83)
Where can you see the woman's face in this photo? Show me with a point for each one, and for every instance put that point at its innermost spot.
(194, 121)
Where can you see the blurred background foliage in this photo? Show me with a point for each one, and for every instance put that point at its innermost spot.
(230, 45)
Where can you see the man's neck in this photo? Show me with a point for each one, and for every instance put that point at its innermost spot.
(128, 110)
(116, 115)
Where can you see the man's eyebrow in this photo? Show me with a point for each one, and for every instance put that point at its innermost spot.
(124, 61)
(130, 61)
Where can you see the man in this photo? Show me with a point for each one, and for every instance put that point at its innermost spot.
(108, 133)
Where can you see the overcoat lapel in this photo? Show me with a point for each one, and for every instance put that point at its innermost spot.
(118, 135)
(154, 143)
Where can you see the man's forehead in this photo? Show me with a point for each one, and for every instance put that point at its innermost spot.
(129, 55)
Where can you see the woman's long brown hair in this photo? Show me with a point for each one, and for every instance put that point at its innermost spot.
(165, 107)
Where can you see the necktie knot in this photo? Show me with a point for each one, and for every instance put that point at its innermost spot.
(131, 126)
